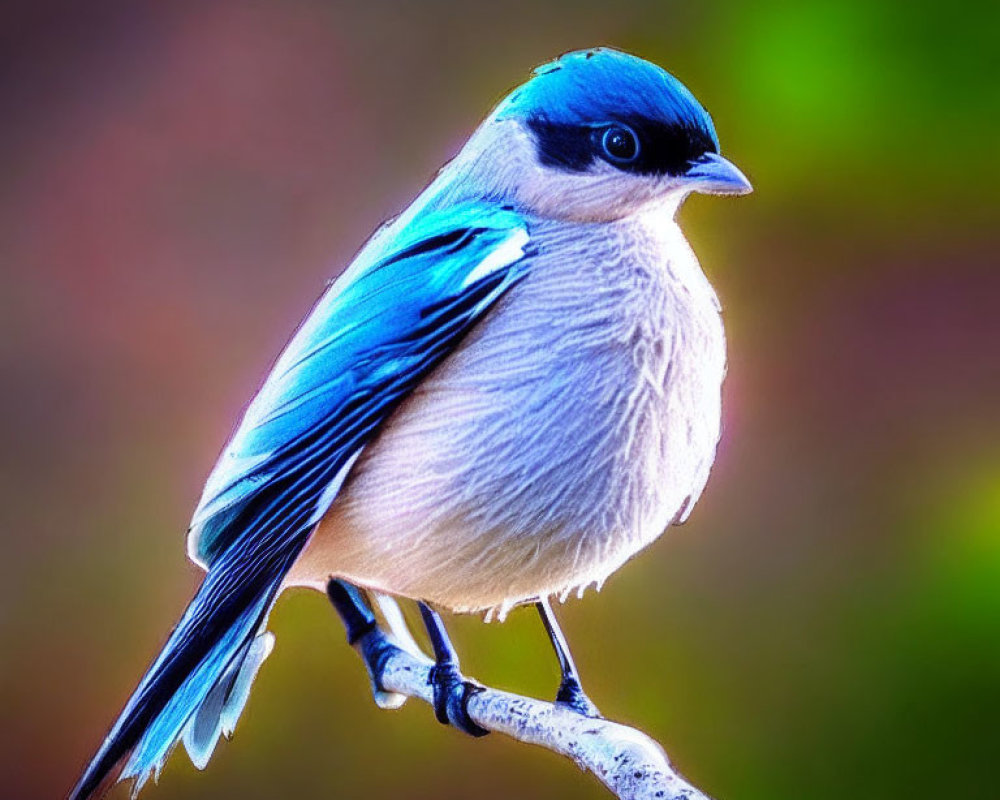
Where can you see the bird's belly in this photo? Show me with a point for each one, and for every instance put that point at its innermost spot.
(477, 499)
(534, 461)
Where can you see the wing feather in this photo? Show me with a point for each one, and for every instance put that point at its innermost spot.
(377, 331)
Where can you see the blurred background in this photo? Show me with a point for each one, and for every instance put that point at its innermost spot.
(179, 181)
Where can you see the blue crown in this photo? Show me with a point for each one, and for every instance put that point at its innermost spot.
(602, 84)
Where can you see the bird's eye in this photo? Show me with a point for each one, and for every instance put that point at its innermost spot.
(620, 144)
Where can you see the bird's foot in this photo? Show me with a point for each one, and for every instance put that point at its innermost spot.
(572, 696)
(376, 648)
(451, 698)
(364, 634)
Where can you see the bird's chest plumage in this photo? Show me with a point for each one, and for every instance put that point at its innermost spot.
(575, 423)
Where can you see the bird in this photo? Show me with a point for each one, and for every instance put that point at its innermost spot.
(512, 389)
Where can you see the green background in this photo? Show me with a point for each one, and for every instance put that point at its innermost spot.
(180, 179)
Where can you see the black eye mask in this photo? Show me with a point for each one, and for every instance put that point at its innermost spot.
(663, 148)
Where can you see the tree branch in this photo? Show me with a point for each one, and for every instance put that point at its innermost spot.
(631, 764)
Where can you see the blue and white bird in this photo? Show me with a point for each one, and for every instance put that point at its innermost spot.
(513, 389)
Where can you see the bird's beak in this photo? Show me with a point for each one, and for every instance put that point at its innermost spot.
(712, 174)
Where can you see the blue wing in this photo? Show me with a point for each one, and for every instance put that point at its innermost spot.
(369, 340)
(400, 308)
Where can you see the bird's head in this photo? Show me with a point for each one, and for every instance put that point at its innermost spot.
(598, 135)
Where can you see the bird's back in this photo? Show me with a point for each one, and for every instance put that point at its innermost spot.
(577, 421)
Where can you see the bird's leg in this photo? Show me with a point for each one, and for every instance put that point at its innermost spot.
(570, 692)
(451, 690)
(364, 634)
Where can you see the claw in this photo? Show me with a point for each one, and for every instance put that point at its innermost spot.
(572, 696)
(377, 647)
(364, 634)
(451, 698)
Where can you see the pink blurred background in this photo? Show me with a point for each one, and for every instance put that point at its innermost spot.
(180, 180)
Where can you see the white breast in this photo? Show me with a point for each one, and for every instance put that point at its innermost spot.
(571, 427)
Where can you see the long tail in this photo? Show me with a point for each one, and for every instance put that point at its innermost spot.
(198, 685)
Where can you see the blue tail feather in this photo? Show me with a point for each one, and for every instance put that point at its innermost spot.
(199, 683)
(219, 711)
(166, 729)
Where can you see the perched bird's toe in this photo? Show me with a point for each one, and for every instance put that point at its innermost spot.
(572, 696)
(451, 699)
(364, 634)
